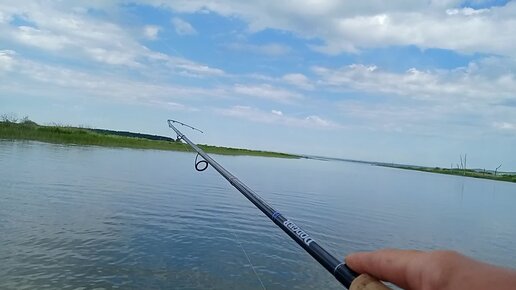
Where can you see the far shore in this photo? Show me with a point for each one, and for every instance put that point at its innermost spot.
(28, 130)
(474, 173)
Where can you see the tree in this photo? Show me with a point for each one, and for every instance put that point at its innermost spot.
(9, 118)
(463, 164)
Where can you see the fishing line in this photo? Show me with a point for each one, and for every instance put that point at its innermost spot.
(345, 275)
(201, 165)
(248, 259)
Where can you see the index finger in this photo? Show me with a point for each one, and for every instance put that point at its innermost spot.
(395, 266)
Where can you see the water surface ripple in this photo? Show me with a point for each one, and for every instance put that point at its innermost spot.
(74, 217)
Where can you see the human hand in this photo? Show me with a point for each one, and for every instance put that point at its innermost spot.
(435, 270)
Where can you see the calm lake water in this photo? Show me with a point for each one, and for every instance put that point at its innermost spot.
(75, 217)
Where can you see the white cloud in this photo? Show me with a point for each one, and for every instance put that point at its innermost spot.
(427, 118)
(465, 84)
(40, 38)
(298, 80)
(353, 25)
(3, 18)
(505, 126)
(111, 57)
(467, 100)
(271, 49)
(319, 122)
(27, 76)
(71, 32)
(182, 27)
(151, 31)
(395, 117)
(463, 32)
(266, 91)
(67, 28)
(194, 69)
(173, 106)
(342, 26)
(6, 60)
(277, 117)
(466, 11)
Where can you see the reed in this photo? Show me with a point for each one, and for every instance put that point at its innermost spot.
(29, 130)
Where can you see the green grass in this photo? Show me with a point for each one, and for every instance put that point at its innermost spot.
(462, 172)
(81, 136)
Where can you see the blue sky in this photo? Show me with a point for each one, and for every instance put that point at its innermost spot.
(418, 82)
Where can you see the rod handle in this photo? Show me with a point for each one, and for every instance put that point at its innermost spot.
(366, 282)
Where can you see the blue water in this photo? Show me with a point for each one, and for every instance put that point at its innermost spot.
(74, 217)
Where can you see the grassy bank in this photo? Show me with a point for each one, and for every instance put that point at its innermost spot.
(461, 172)
(28, 130)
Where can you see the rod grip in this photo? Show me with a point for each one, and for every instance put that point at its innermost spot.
(366, 282)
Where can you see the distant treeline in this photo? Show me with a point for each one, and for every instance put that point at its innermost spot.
(132, 135)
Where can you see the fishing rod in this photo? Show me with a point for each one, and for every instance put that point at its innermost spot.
(349, 278)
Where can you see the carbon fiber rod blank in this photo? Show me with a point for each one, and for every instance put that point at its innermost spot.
(337, 268)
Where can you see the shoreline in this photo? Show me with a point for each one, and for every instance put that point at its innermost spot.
(502, 176)
(29, 130)
(116, 139)
(473, 173)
